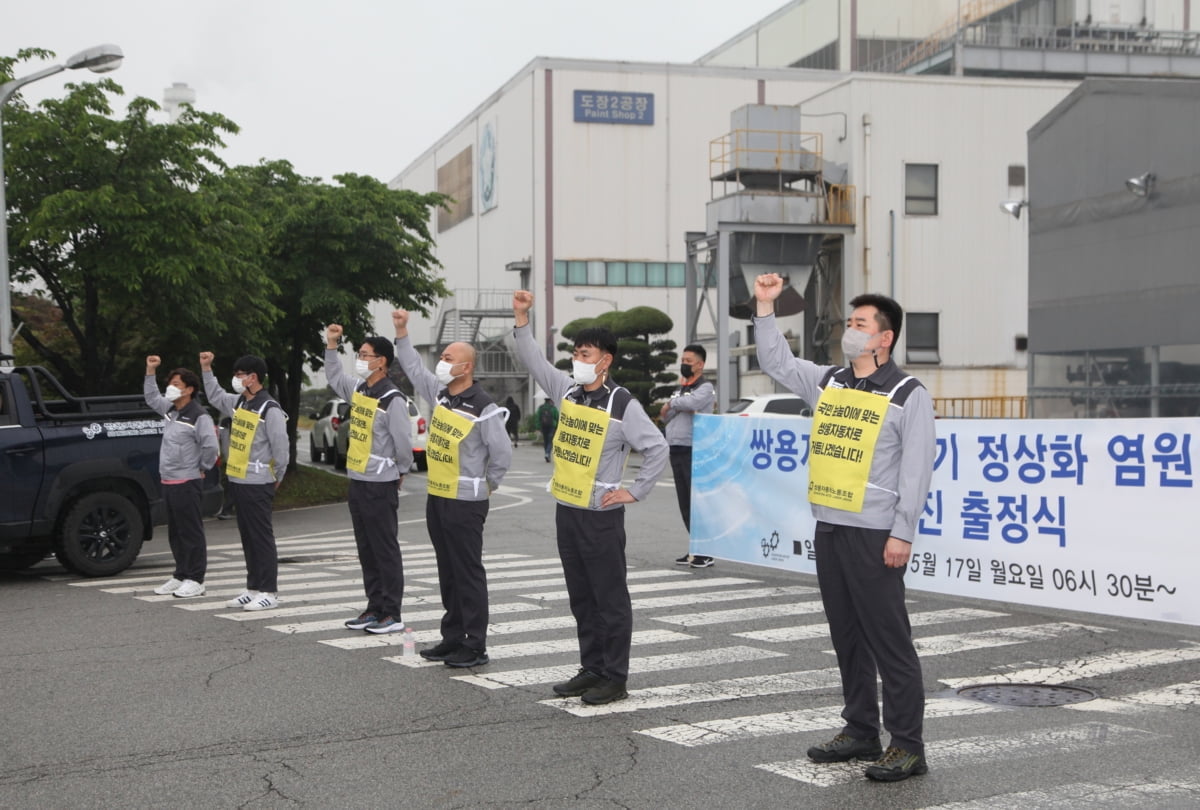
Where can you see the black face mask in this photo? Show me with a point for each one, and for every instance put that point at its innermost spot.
(685, 371)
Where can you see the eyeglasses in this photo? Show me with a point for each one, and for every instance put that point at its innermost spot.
(362, 356)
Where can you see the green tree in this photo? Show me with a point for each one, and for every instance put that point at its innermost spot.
(125, 227)
(643, 355)
(331, 251)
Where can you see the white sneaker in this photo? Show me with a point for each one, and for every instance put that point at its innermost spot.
(242, 599)
(262, 601)
(189, 588)
(170, 586)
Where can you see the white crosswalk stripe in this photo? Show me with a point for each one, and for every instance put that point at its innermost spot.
(339, 624)
(691, 584)
(653, 663)
(1116, 792)
(731, 729)
(690, 693)
(809, 631)
(1100, 664)
(980, 750)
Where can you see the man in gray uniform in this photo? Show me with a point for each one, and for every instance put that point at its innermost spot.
(378, 456)
(258, 459)
(468, 454)
(870, 461)
(695, 395)
(599, 422)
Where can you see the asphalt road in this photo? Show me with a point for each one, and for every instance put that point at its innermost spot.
(113, 697)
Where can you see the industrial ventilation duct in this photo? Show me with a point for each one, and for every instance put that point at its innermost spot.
(792, 255)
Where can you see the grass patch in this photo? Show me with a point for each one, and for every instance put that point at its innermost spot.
(308, 486)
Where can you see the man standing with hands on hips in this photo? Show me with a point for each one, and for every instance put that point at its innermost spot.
(870, 462)
(695, 395)
(468, 454)
(258, 459)
(599, 423)
(378, 456)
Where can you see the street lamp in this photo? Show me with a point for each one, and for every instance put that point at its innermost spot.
(100, 59)
(615, 306)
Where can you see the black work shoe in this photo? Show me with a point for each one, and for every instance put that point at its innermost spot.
(605, 692)
(844, 748)
(440, 651)
(466, 657)
(895, 765)
(583, 681)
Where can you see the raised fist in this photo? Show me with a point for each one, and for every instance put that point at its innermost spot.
(153, 361)
(400, 321)
(206, 359)
(768, 287)
(333, 332)
(522, 301)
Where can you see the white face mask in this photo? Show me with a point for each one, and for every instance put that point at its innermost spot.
(584, 373)
(854, 344)
(362, 368)
(238, 385)
(172, 393)
(443, 372)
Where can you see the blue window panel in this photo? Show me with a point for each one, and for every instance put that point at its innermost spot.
(676, 274)
(577, 273)
(636, 274)
(656, 274)
(560, 273)
(616, 274)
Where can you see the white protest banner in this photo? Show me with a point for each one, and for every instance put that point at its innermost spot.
(1086, 515)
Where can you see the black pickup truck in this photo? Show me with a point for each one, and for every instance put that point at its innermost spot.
(78, 475)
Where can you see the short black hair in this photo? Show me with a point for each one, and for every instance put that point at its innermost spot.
(188, 378)
(597, 336)
(382, 347)
(250, 364)
(889, 314)
(698, 350)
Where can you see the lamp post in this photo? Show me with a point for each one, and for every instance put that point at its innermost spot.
(615, 306)
(100, 59)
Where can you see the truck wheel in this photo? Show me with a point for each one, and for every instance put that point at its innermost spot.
(101, 535)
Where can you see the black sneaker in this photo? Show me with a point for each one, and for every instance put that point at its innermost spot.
(606, 692)
(699, 561)
(440, 651)
(466, 657)
(583, 681)
(844, 748)
(895, 765)
(364, 619)
(686, 559)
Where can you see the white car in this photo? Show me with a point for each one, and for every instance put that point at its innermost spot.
(322, 441)
(420, 437)
(770, 405)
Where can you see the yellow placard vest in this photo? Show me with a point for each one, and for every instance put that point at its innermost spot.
(362, 425)
(448, 430)
(244, 424)
(577, 446)
(846, 425)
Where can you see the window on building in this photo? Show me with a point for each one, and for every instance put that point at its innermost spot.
(921, 189)
(921, 330)
(600, 273)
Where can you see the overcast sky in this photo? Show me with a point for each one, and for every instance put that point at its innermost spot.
(354, 85)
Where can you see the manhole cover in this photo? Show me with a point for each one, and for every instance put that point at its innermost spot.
(1026, 694)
